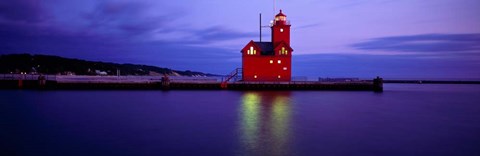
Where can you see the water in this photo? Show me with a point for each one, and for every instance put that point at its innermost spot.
(407, 119)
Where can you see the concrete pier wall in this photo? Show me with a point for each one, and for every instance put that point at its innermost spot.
(54, 85)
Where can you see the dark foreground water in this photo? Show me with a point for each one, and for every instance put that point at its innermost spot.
(404, 120)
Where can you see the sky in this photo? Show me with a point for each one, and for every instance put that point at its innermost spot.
(330, 38)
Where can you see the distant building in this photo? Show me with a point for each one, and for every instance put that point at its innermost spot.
(99, 72)
(269, 61)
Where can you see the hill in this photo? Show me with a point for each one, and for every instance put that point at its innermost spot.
(47, 64)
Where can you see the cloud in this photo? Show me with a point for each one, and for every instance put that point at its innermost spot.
(308, 26)
(143, 21)
(429, 43)
(22, 10)
(121, 32)
(108, 23)
(221, 33)
(130, 18)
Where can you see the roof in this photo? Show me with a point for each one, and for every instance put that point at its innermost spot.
(281, 14)
(267, 48)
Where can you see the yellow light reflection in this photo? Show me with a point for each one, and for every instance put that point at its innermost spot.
(280, 125)
(265, 123)
(250, 111)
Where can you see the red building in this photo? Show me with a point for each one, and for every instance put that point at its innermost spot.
(269, 61)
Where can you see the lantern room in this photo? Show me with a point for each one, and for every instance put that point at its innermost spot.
(281, 19)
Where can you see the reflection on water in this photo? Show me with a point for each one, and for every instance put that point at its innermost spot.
(407, 119)
(265, 123)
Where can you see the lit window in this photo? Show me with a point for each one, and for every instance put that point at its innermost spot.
(281, 29)
(279, 61)
(283, 51)
(255, 76)
(279, 76)
(252, 51)
(284, 68)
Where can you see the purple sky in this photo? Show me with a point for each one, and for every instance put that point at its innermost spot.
(331, 38)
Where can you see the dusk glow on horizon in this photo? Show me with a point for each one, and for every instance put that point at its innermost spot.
(330, 38)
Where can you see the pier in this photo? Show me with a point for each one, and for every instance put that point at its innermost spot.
(52, 82)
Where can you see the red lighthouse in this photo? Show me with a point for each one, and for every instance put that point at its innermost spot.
(269, 61)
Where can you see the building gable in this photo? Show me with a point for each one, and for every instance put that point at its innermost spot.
(278, 49)
(250, 44)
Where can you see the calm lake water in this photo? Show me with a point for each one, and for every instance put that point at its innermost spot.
(406, 119)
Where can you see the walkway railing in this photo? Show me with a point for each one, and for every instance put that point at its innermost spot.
(235, 75)
(25, 77)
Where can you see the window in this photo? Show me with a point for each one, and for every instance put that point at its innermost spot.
(283, 51)
(281, 29)
(255, 76)
(251, 51)
(271, 61)
(284, 68)
(280, 18)
(279, 61)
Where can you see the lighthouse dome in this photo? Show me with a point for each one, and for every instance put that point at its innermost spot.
(281, 19)
(281, 14)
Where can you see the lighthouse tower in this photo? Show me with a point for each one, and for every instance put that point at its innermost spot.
(269, 61)
(281, 29)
